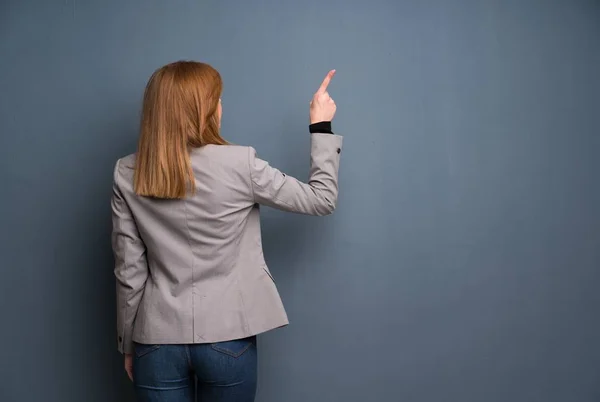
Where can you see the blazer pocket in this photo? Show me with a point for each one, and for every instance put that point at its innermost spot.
(143, 349)
(264, 267)
(234, 348)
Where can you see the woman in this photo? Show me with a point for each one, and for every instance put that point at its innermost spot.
(193, 289)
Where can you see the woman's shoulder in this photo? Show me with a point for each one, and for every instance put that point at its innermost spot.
(124, 168)
(226, 153)
(126, 162)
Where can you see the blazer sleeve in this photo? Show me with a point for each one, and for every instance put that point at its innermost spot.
(131, 267)
(317, 197)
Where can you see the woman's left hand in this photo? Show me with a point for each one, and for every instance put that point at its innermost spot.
(129, 365)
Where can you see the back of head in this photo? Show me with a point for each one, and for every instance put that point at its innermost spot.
(181, 110)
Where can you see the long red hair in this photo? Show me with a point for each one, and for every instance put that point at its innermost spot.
(180, 111)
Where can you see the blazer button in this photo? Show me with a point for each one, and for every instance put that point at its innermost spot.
(339, 150)
(120, 339)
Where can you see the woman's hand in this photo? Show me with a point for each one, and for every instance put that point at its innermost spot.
(129, 365)
(322, 107)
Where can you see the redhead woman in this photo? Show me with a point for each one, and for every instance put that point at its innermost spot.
(193, 288)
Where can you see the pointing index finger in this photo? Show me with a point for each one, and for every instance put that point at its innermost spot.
(326, 81)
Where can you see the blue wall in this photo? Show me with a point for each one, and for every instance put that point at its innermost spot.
(462, 264)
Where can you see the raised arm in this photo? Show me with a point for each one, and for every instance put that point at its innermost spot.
(319, 195)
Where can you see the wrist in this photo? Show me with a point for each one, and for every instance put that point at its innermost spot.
(322, 127)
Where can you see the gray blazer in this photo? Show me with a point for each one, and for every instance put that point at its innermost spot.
(193, 270)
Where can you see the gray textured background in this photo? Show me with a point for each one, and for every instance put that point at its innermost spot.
(462, 264)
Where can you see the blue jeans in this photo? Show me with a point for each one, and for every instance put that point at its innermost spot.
(226, 372)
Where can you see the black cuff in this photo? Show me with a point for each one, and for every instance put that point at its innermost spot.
(322, 127)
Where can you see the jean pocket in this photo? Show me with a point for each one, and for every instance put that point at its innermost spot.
(143, 349)
(234, 348)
